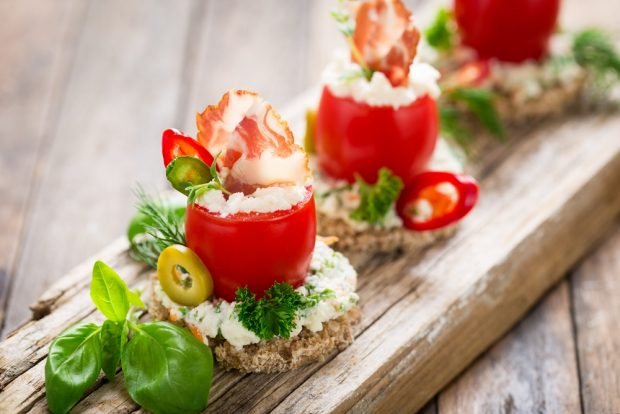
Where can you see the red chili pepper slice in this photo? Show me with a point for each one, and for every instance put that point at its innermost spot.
(435, 199)
(470, 74)
(175, 143)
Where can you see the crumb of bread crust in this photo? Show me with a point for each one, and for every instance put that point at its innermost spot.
(377, 239)
(279, 354)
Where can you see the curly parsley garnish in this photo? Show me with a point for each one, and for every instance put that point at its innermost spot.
(377, 199)
(272, 315)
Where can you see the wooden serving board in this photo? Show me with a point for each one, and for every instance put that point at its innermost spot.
(547, 196)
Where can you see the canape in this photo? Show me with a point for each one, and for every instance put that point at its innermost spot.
(515, 53)
(252, 280)
(385, 180)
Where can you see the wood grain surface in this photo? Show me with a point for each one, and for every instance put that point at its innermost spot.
(425, 319)
(533, 369)
(596, 306)
(85, 89)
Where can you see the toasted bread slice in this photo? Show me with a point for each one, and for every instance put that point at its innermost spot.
(351, 239)
(276, 355)
(553, 102)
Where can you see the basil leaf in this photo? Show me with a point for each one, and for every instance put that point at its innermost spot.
(73, 365)
(109, 292)
(113, 339)
(166, 369)
(134, 299)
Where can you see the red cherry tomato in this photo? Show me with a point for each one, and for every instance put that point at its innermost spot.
(436, 199)
(253, 250)
(174, 144)
(509, 30)
(356, 138)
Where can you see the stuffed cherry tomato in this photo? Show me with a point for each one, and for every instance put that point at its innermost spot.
(509, 30)
(253, 250)
(175, 144)
(356, 138)
(435, 199)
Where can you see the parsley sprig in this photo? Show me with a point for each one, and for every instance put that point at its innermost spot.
(273, 314)
(377, 199)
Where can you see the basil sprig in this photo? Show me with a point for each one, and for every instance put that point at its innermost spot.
(166, 369)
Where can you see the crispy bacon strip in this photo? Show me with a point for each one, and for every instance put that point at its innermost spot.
(386, 37)
(256, 146)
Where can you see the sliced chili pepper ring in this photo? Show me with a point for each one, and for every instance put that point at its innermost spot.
(436, 199)
(175, 143)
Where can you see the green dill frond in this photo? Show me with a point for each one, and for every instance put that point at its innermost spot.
(155, 226)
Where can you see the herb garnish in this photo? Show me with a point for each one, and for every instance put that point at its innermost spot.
(594, 50)
(347, 27)
(273, 314)
(155, 226)
(377, 199)
(459, 103)
(156, 357)
(212, 182)
(440, 34)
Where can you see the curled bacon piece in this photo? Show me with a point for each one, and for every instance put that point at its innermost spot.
(386, 37)
(256, 146)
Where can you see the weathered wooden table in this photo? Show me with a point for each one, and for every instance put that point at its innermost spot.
(86, 88)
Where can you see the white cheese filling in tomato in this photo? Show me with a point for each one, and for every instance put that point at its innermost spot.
(263, 200)
(341, 79)
(331, 279)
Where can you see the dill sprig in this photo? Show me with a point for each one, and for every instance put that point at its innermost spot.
(346, 25)
(155, 226)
